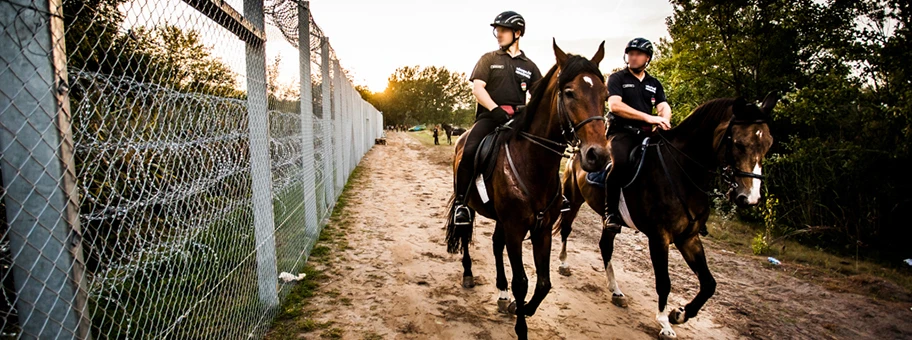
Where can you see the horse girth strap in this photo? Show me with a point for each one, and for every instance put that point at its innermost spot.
(677, 191)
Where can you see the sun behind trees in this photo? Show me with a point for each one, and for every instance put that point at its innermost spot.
(424, 95)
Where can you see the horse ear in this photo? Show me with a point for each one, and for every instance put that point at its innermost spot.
(769, 102)
(599, 55)
(558, 53)
(739, 105)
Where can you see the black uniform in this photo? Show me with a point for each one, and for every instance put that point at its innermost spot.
(507, 79)
(625, 134)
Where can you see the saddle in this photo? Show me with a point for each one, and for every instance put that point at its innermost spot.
(486, 154)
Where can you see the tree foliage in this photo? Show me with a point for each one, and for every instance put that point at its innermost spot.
(843, 128)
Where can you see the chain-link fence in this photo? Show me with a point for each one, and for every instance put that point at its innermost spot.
(164, 162)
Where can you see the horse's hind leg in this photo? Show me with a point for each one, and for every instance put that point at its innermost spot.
(692, 251)
(566, 226)
(503, 300)
(541, 251)
(658, 251)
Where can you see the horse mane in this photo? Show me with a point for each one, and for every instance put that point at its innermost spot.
(575, 65)
(707, 115)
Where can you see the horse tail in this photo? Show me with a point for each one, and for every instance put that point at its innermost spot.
(454, 233)
(568, 186)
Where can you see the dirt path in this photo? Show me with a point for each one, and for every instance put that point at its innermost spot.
(401, 282)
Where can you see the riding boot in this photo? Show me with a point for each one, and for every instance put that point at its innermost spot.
(613, 220)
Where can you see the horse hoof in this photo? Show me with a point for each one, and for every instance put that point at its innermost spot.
(503, 306)
(667, 335)
(619, 300)
(511, 309)
(677, 316)
(468, 282)
(565, 271)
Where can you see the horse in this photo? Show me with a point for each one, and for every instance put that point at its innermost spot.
(449, 132)
(566, 108)
(667, 200)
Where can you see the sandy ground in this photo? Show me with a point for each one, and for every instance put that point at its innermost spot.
(402, 283)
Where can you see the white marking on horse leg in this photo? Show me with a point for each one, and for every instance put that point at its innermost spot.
(667, 331)
(588, 81)
(755, 186)
(504, 295)
(612, 281)
(563, 255)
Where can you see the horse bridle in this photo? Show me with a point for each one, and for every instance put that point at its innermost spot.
(729, 170)
(570, 131)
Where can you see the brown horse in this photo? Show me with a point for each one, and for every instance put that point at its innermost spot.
(668, 202)
(524, 189)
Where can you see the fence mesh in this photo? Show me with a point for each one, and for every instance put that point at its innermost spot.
(165, 163)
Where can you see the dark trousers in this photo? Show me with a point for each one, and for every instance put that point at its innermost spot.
(621, 142)
(485, 123)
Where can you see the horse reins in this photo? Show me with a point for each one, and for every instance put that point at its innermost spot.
(571, 136)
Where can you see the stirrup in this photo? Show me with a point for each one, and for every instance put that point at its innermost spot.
(461, 208)
(565, 205)
(616, 227)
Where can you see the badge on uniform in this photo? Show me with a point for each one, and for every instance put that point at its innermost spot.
(523, 85)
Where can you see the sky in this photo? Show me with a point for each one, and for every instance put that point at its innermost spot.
(373, 38)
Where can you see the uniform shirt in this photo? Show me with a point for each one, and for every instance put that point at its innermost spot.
(507, 78)
(640, 95)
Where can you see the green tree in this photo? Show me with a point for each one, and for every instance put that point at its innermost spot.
(423, 95)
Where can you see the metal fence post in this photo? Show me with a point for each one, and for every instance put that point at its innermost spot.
(38, 170)
(346, 124)
(340, 120)
(328, 116)
(307, 135)
(260, 169)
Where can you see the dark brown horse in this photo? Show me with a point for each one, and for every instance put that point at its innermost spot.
(566, 107)
(668, 201)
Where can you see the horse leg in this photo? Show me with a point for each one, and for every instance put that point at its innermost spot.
(658, 251)
(692, 251)
(503, 300)
(541, 251)
(566, 226)
(468, 280)
(520, 282)
(606, 245)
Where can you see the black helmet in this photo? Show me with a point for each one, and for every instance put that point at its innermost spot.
(641, 44)
(511, 19)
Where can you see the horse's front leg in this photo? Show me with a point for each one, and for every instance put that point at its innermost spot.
(692, 251)
(541, 251)
(606, 245)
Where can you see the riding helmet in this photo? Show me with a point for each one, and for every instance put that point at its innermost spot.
(641, 44)
(512, 20)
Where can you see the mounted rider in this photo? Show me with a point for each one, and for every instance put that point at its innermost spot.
(637, 104)
(501, 79)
